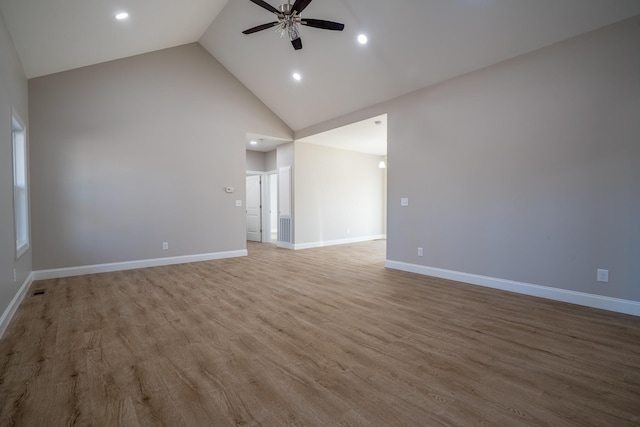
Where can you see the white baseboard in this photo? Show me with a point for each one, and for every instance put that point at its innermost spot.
(285, 245)
(338, 242)
(6, 317)
(57, 273)
(581, 298)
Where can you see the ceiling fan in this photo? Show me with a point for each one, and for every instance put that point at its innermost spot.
(289, 20)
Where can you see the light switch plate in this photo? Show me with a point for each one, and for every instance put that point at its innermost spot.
(238, 202)
(603, 275)
(404, 201)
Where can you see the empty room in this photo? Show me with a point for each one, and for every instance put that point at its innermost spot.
(441, 225)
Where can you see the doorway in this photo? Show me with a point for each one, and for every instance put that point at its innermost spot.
(262, 207)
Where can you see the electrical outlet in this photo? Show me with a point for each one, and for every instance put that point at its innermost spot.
(404, 201)
(420, 252)
(602, 275)
(165, 246)
(15, 275)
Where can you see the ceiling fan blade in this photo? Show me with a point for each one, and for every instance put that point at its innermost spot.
(325, 25)
(260, 28)
(300, 5)
(297, 43)
(266, 5)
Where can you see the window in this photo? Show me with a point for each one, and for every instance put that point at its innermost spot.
(20, 193)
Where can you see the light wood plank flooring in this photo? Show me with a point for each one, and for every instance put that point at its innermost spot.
(320, 337)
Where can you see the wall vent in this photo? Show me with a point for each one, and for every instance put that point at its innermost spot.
(284, 230)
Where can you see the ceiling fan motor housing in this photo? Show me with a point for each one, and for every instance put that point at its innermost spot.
(286, 8)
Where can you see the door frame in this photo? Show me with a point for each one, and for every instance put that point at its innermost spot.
(265, 202)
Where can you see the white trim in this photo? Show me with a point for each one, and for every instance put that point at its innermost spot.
(574, 297)
(57, 273)
(338, 242)
(285, 245)
(6, 317)
(22, 249)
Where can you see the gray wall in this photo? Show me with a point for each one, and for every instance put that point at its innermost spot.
(255, 161)
(338, 194)
(528, 170)
(258, 161)
(134, 152)
(271, 161)
(13, 94)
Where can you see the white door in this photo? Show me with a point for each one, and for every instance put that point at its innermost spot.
(253, 208)
(273, 207)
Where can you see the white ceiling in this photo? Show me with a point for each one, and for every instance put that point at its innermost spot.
(263, 143)
(413, 43)
(366, 136)
(58, 35)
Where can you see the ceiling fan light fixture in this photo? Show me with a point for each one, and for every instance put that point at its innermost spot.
(289, 21)
(293, 32)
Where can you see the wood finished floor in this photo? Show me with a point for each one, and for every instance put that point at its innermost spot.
(320, 337)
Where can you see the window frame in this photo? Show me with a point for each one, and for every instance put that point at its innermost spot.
(20, 157)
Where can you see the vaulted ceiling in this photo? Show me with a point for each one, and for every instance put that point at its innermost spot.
(412, 43)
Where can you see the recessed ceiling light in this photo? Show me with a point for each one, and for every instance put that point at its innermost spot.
(362, 39)
(121, 15)
(254, 142)
(297, 76)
